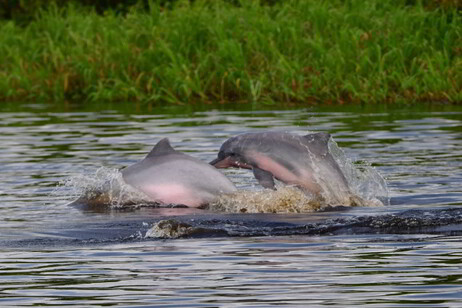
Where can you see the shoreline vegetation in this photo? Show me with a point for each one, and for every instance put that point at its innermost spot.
(295, 52)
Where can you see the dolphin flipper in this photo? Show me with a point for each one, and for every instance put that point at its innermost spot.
(263, 177)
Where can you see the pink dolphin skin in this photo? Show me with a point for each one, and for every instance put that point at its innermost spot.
(304, 161)
(171, 177)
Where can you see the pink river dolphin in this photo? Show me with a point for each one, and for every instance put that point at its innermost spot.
(303, 161)
(171, 177)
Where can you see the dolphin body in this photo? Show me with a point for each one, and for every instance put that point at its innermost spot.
(171, 177)
(303, 161)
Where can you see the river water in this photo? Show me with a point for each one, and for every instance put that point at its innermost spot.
(405, 254)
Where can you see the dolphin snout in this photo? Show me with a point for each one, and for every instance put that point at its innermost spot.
(221, 162)
(215, 161)
(229, 161)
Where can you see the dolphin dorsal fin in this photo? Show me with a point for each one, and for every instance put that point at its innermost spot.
(162, 147)
(318, 142)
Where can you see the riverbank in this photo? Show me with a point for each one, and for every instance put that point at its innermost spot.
(295, 52)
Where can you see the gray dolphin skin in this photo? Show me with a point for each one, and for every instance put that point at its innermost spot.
(171, 177)
(304, 161)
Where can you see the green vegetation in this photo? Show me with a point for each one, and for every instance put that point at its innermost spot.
(229, 51)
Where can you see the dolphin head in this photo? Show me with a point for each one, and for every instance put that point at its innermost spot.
(232, 154)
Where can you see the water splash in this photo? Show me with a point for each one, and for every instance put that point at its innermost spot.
(363, 179)
(104, 188)
(286, 199)
(170, 228)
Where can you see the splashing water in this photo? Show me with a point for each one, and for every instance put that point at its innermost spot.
(286, 199)
(367, 188)
(363, 179)
(105, 188)
(171, 228)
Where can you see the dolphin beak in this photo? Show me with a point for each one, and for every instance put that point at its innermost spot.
(229, 162)
(213, 162)
(221, 163)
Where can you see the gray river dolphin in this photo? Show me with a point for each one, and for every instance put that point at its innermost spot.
(303, 161)
(171, 177)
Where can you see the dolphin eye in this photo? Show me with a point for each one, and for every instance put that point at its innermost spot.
(225, 154)
(232, 154)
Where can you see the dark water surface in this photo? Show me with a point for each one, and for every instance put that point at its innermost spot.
(407, 254)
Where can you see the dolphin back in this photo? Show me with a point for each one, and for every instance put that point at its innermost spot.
(318, 143)
(169, 176)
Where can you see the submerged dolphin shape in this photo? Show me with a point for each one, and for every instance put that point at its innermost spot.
(304, 161)
(171, 177)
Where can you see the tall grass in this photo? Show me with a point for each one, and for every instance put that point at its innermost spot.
(212, 51)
